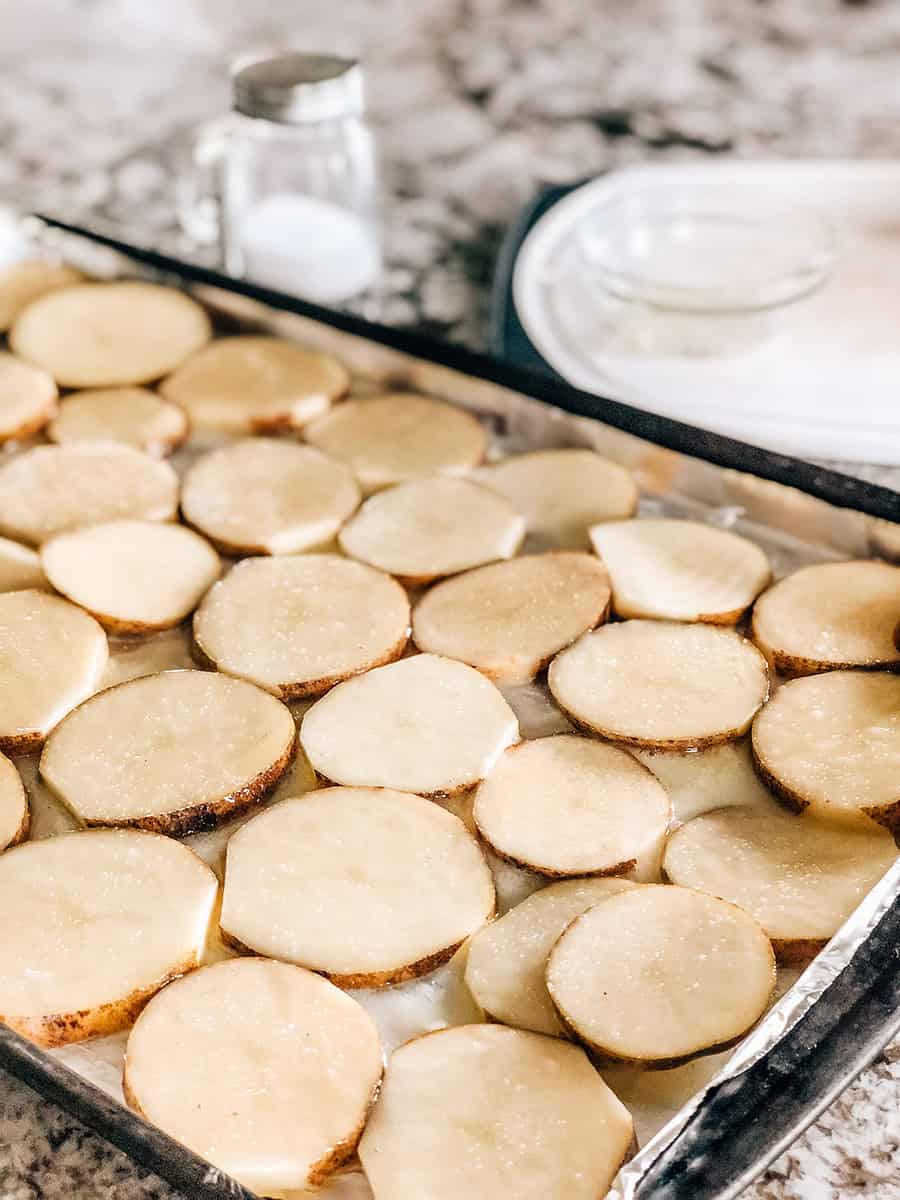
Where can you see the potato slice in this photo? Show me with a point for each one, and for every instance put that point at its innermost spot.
(262, 496)
(680, 570)
(830, 615)
(23, 282)
(20, 567)
(368, 886)
(110, 334)
(829, 745)
(176, 752)
(661, 685)
(481, 1111)
(566, 805)
(111, 916)
(561, 493)
(508, 619)
(52, 489)
(27, 398)
(800, 879)
(298, 625)
(507, 959)
(15, 816)
(51, 657)
(399, 436)
(275, 1071)
(132, 415)
(719, 777)
(256, 385)
(424, 724)
(660, 974)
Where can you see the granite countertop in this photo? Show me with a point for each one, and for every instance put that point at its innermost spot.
(477, 103)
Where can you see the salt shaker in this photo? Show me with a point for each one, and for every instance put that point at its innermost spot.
(287, 182)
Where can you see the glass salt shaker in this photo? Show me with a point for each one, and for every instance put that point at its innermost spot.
(286, 183)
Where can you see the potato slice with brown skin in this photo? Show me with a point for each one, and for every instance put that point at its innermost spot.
(367, 886)
(424, 724)
(297, 1065)
(20, 567)
(660, 685)
(135, 577)
(297, 625)
(829, 616)
(829, 745)
(51, 658)
(262, 496)
(481, 1111)
(176, 752)
(660, 974)
(111, 916)
(428, 528)
(27, 398)
(132, 415)
(23, 282)
(680, 570)
(15, 816)
(508, 619)
(567, 805)
(507, 960)
(800, 879)
(256, 385)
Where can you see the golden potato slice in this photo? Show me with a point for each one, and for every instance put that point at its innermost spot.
(719, 777)
(52, 489)
(507, 960)
(175, 753)
(15, 815)
(274, 1071)
(829, 745)
(297, 625)
(508, 619)
(110, 334)
(828, 616)
(263, 496)
(27, 398)
(399, 436)
(424, 724)
(481, 1112)
(132, 415)
(561, 493)
(660, 974)
(23, 282)
(51, 657)
(20, 567)
(111, 916)
(661, 685)
(367, 886)
(256, 385)
(567, 805)
(800, 879)
(680, 570)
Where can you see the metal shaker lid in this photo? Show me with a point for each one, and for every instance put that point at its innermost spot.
(295, 88)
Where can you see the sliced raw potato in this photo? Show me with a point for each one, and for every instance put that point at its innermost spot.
(133, 576)
(27, 398)
(424, 724)
(262, 496)
(103, 919)
(507, 960)
(400, 436)
(276, 1071)
(720, 777)
(508, 619)
(567, 805)
(561, 493)
(132, 415)
(680, 570)
(14, 811)
(51, 657)
(296, 625)
(20, 567)
(829, 745)
(176, 752)
(24, 282)
(256, 385)
(422, 530)
(52, 489)
(661, 685)
(800, 879)
(481, 1111)
(110, 334)
(368, 886)
(660, 974)
(830, 615)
